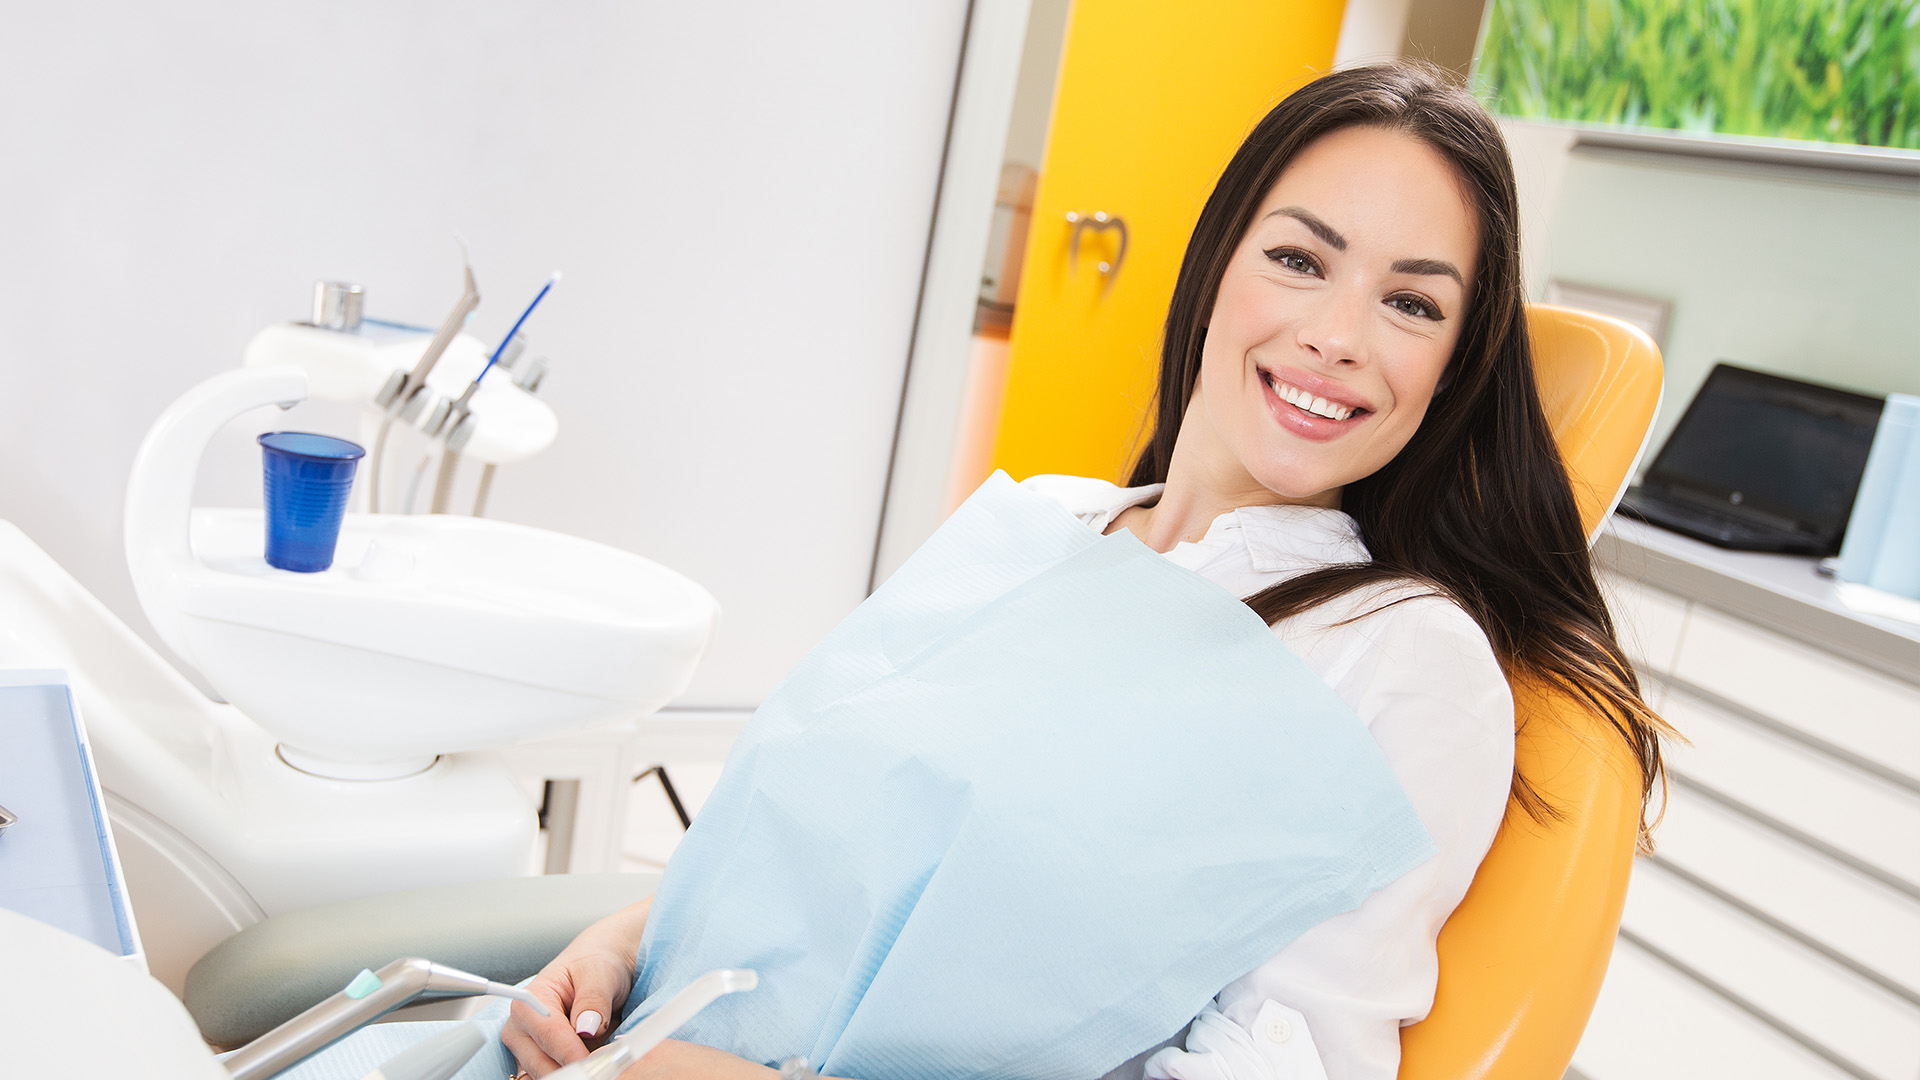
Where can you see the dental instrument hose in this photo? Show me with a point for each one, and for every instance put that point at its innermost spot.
(486, 488)
(443, 481)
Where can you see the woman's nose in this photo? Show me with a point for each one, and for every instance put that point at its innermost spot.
(1335, 328)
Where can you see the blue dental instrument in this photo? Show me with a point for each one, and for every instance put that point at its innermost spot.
(505, 341)
(454, 426)
(457, 412)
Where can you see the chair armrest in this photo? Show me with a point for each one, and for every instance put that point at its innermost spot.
(504, 930)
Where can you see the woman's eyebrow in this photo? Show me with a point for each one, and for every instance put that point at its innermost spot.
(1333, 238)
(1312, 221)
(1429, 266)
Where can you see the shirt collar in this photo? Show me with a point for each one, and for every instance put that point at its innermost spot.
(1277, 538)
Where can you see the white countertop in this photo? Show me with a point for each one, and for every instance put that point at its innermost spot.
(1781, 592)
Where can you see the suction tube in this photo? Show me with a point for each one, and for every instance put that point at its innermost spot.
(371, 995)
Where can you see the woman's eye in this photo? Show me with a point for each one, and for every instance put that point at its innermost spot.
(1414, 306)
(1294, 259)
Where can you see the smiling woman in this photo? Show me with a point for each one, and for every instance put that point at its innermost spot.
(1346, 352)
(1362, 249)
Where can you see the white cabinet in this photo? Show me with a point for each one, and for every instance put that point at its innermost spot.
(1818, 694)
(1776, 931)
(1649, 623)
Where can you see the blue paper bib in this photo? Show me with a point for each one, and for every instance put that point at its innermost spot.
(1021, 815)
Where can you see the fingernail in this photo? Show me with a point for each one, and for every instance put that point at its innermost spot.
(588, 1024)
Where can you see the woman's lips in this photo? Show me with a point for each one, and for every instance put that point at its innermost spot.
(1306, 413)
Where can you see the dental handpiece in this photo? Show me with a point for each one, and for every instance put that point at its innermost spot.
(457, 318)
(405, 391)
(614, 1058)
(371, 995)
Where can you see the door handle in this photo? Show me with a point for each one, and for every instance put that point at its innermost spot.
(1098, 221)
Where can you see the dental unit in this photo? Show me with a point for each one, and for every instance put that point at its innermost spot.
(344, 737)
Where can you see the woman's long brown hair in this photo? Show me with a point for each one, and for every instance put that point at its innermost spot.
(1477, 505)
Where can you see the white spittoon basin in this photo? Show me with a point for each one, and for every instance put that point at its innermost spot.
(429, 635)
(434, 634)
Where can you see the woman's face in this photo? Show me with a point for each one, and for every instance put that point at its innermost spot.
(1335, 319)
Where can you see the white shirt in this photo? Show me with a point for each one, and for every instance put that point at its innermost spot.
(1423, 678)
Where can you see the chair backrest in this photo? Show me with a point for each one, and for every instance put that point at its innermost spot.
(1522, 958)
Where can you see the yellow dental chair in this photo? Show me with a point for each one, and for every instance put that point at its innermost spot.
(1522, 958)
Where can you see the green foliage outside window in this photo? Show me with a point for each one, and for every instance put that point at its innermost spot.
(1841, 71)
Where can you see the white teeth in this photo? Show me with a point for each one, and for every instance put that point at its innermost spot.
(1318, 406)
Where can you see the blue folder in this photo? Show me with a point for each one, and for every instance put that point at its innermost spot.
(57, 862)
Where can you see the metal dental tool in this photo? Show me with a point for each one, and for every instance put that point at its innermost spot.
(403, 392)
(456, 420)
(612, 1059)
(371, 995)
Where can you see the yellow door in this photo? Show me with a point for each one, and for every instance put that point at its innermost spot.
(1152, 99)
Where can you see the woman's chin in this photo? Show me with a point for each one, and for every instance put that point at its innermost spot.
(1290, 489)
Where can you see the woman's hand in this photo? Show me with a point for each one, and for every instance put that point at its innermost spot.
(584, 987)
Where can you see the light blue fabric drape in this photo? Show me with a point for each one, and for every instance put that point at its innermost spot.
(1021, 815)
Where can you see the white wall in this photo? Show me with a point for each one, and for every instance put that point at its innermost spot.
(1539, 154)
(1371, 31)
(1809, 273)
(739, 193)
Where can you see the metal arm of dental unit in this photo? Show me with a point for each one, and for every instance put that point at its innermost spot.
(366, 999)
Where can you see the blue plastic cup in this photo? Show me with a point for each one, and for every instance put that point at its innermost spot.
(308, 478)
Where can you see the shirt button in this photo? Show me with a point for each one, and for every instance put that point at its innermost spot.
(1278, 1030)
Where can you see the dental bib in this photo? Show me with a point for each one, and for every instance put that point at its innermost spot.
(1022, 814)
